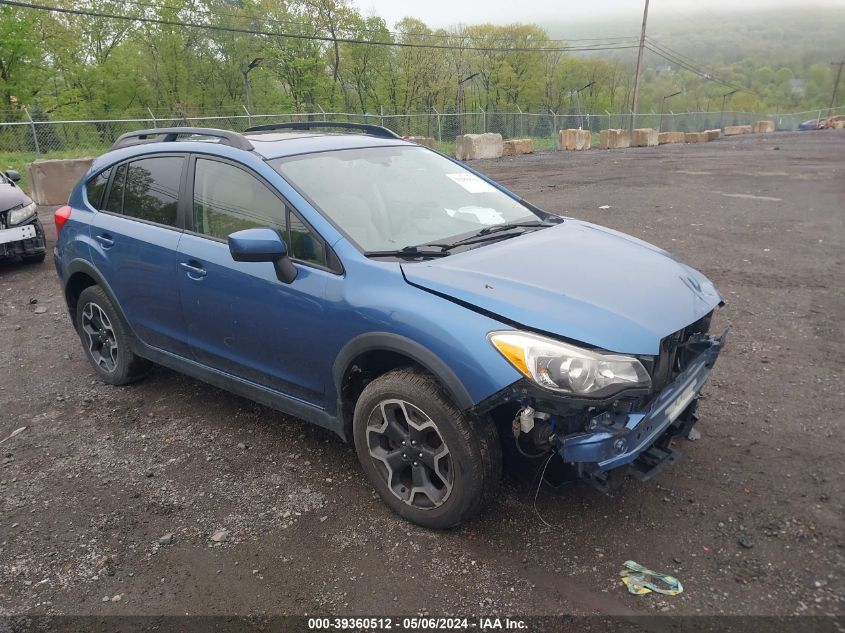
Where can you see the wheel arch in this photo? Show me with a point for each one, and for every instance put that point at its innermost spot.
(378, 353)
(81, 275)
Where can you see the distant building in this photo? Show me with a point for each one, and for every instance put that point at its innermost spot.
(797, 87)
(664, 70)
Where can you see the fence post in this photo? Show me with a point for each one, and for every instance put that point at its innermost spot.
(34, 134)
(483, 120)
(153, 117)
(439, 129)
(382, 116)
(248, 116)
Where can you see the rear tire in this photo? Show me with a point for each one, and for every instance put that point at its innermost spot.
(105, 339)
(430, 463)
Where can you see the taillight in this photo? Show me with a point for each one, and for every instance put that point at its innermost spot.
(61, 217)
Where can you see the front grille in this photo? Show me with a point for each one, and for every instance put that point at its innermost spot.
(674, 356)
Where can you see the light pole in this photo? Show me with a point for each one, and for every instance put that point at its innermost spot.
(663, 106)
(722, 115)
(247, 89)
(460, 104)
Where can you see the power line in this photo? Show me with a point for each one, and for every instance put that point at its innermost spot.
(317, 38)
(661, 52)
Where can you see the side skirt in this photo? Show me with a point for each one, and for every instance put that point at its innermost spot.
(245, 388)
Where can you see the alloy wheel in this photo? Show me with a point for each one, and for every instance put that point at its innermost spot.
(410, 454)
(102, 343)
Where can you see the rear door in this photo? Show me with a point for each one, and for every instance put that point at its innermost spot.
(241, 318)
(135, 235)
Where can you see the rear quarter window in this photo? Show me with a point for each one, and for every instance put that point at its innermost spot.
(96, 187)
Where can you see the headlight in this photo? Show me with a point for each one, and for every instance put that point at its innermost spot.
(19, 216)
(569, 369)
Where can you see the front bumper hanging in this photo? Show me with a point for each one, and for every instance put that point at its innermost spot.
(615, 440)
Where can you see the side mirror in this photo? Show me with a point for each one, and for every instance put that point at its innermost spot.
(263, 245)
(13, 175)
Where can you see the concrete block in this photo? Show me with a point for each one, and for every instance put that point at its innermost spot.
(695, 137)
(516, 147)
(664, 138)
(573, 139)
(644, 137)
(472, 146)
(614, 139)
(764, 127)
(428, 141)
(51, 181)
(734, 130)
(713, 135)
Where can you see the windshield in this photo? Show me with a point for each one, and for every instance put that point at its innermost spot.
(389, 198)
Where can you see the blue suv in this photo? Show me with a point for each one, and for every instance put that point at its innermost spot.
(390, 294)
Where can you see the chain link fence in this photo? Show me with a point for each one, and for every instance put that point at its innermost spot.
(34, 138)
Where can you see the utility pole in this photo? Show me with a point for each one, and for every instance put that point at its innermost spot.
(637, 73)
(836, 84)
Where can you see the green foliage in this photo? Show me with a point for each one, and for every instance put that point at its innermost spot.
(65, 66)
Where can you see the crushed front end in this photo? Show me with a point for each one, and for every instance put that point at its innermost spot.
(21, 233)
(603, 440)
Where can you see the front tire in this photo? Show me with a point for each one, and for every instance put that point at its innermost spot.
(433, 465)
(105, 340)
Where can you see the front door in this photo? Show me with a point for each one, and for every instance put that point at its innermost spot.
(241, 319)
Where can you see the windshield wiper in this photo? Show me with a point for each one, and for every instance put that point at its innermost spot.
(410, 252)
(490, 233)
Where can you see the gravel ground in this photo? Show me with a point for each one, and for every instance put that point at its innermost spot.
(110, 497)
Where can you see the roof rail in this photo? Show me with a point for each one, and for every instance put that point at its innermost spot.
(372, 130)
(171, 134)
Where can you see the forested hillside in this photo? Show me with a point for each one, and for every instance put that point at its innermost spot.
(308, 54)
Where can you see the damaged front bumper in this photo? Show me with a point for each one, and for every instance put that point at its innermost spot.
(641, 440)
(25, 240)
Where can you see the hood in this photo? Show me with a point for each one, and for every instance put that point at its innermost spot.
(11, 196)
(578, 281)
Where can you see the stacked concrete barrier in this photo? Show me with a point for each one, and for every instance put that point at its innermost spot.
(574, 139)
(695, 137)
(713, 135)
(422, 140)
(517, 147)
(472, 146)
(764, 127)
(734, 130)
(664, 138)
(614, 139)
(644, 137)
(51, 181)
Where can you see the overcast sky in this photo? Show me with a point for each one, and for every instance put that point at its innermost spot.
(444, 13)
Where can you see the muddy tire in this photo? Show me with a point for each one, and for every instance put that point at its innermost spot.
(433, 465)
(105, 340)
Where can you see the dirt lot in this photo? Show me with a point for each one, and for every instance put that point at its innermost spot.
(102, 473)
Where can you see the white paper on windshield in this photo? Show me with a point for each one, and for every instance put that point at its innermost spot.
(482, 215)
(472, 183)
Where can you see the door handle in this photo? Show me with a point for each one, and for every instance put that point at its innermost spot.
(194, 269)
(105, 239)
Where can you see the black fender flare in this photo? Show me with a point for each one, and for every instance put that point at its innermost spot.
(86, 267)
(386, 341)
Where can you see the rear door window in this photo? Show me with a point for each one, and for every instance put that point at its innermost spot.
(151, 192)
(114, 204)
